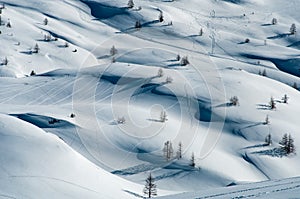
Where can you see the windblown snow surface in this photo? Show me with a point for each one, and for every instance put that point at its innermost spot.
(46, 153)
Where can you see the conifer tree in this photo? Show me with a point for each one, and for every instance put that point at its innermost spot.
(150, 188)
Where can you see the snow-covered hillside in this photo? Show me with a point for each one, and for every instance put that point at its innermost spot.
(81, 118)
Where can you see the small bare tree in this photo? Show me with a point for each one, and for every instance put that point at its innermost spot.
(178, 57)
(293, 29)
(160, 73)
(184, 61)
(161, 17)
(272, 103)
(285, 99)
(8, 25)
(267, 120)
(138, 25)
(113, 51)
(295, 86)
(36, 49)
(201, 32)
(234, 101)
(45, 21)
(169, 80)
(192, 160)
(179, 151)
(32, 73)
(5, 61)
(268, 139)
(168, 150)
(274, 21)
(66, 45)
(163, 116)
(130, 4)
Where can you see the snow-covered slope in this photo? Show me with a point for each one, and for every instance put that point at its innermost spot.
(44, 149)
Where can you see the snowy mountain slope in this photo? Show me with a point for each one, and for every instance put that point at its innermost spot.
(39, 165)
(228, 141)
(268, 189)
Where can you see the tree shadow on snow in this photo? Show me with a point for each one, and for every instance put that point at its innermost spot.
(275, 152)
(256, 146)
(279, 36)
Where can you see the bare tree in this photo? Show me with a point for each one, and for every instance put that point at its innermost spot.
(268, 139)
(295, 86)
(160, 72)
(150, 188)
(113, 51)
(163, 116)
(267, 120)
(293, 29)
(274, 21)
(138, 25)
(36, 49)
(184, 61)
(161, 17)
(285, 99)
(179, 151)
(45, 21)
(178, 57)
(264, 73)
(201, 32)
(32, 73)
(169, 80)
(130, 4)
(5, 61)
(234, 100)
(8, 24)
(272, 104)
(192, 160)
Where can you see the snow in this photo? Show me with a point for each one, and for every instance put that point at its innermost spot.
(45, 153)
